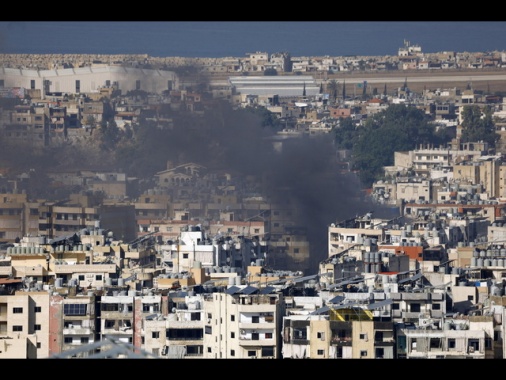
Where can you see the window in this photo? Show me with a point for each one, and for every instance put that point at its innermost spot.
(232, 335)
(67, 339)
(185, 255)
(268, 335)
(209, 349)
(474, 345)
(415, 308)
(109, 307)
(435, 343)
(252, 353)
(267, 351)
(78, 86)
(98, 277)
(39, 345)
(109, 324)
(451, 343)
(363, 353)
(17, 310)
(138, 84)
(255, 336)
(38, 309)
(74, 309)
(17, 328)
(84, 340)
(299, 333)
(320, 352)
(232, 318)
(436, 306)
(232, 353)
(37, 327)
(470, 298)
(320, 335)
(363, 336)
(32, 84)
(255, 319)
(81, 277)
(155, 334)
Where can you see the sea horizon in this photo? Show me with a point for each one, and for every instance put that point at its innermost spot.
(217, 39)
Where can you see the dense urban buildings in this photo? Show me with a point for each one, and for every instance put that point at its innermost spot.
(199, 261)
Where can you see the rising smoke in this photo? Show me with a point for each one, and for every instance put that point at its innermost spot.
(305, 170)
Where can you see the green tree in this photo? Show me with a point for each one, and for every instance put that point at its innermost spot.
(478, 125)
(345, 134)
(398, 128)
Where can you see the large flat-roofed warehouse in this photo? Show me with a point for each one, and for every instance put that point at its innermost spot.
(90, 79)
(283, 86)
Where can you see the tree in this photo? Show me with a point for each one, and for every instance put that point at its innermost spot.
(332, 87)
(478, 125)
(345, 134)
(398, 128)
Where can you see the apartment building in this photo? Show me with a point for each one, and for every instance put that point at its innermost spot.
(179, 333)
(459, 338)
(243, 322)
(342, 332)
(25, 325)
(27, 125)
(74, 323)
(15, 210)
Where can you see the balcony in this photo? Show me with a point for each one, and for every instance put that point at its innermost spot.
(341, 341)
(248, 342)
(127, 331)
(257, 326)
(77, 330)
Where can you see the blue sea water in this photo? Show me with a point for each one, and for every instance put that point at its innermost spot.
(237, 38)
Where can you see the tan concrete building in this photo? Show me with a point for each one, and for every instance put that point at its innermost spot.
(24, 325)
(244, 322)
